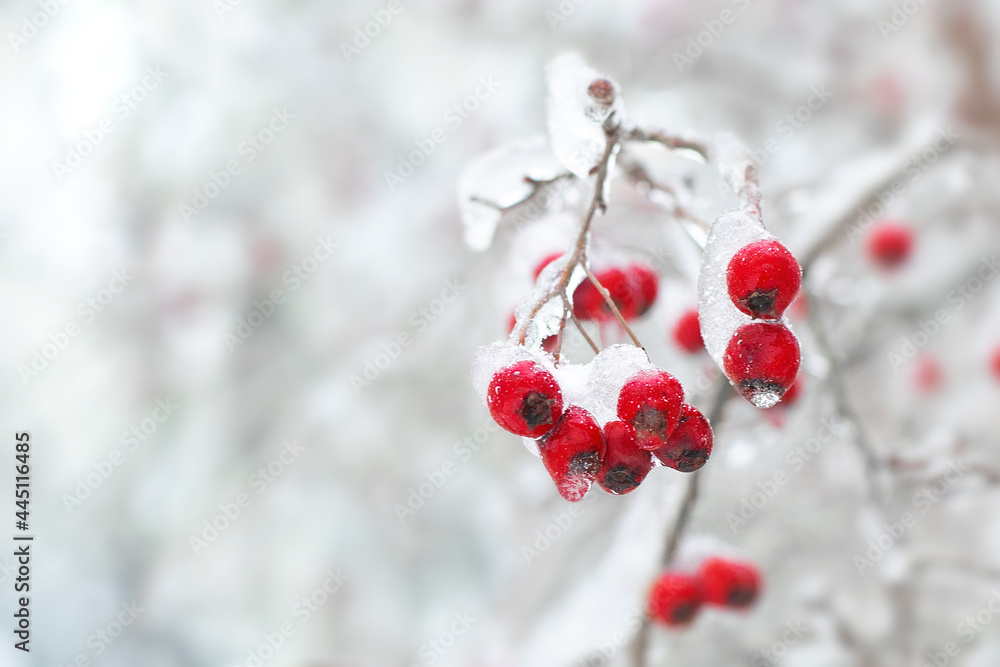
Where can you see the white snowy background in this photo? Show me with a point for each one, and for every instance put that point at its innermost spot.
(404, 579)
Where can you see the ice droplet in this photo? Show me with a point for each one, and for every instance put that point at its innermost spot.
(762, 398)
(497, 179)
(576, 115)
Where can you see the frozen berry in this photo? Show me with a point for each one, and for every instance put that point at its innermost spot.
(572, 453)
(762, 360)
(589, 304)
(763, 278)
(675, 598)
(625, 465)
(690, 444)
(687, 332)
(729, 583)
(646, 285)
(890, 244)
(651, 402)
(525, 399)
(548, 259)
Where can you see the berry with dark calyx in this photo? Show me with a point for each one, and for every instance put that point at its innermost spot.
(646, 286)
(728, 583)
(625, 465)
(763, 278)
(572, 453)
(690, 444)
(589, 304)
(651, 402)
(762, 360)
(889, 244)
(525, 399)
(687, 333)
(675, 598)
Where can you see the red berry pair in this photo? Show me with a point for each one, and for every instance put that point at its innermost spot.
(676, 597)
(633, 290)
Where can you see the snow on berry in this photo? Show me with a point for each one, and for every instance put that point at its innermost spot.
(762, 360)
(572, 452)
(624, 465)
(675, 598)
(498, 179)
(690, 445)
(889, 244)
(729, 583)
(651, 402)
(579, 101)
(524, 398)
(687, 333)
(609, 371)
(763, 278)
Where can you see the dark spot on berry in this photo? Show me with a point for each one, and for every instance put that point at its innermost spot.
(684, 612)
(536, 409)
(650, 421)
(602, 91)
(620, 479)
(740, 597)
(691, 460)
(761, 304)
(585, 463)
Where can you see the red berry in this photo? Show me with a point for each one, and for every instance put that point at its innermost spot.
(762, 359)
(646, 285)
(995, 362)
(690, 444)
(572, 453)
(651, 402)
(525, 399)
(625, 465)
(890, 244)
(763, 278)
(548, 259)
(687, 332)
(588, 304)
(729, 583)
(928, 374)
(675, 598)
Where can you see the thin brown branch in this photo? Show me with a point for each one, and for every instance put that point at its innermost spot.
(614, 308)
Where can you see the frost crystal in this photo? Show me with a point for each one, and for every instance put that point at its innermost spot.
(579, 101)
(497, 180)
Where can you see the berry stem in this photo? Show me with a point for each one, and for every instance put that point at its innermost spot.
(614, 308)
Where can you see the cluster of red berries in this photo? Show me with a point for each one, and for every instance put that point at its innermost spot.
(654, 424)
(676, 596)
(632, 288)
(762, 358)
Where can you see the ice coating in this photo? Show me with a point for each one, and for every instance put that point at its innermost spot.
(575, 115)
(574, 381)
(499, 177)
(548, 318)
(736, 164)
(491, 358)
(608, 372)
(718, 316)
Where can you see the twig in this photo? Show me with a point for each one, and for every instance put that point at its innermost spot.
(614, 308)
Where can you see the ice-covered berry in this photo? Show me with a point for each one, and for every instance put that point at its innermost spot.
(572, 453)
(525, 399)
(675, 598)
(690, 445)
(762, 360)
(728, 583)
(624, 465)
(687, 332)
(651, 402)
(763, 278)
(646, 286)
(889, 244)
